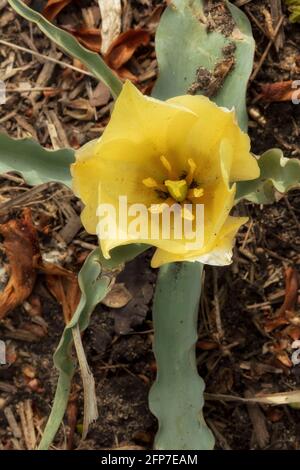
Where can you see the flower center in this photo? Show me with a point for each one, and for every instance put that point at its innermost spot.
(177, 189)
(173, 189)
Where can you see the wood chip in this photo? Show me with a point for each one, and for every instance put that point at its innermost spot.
(26, 417)
(111, 22)
(261, 433)
(14, 427)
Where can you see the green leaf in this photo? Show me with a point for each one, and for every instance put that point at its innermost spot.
(184, 44)
(36, 164)
(176, 398)
(276, 173)
(69, 44)
(94, 285)
(94, 289)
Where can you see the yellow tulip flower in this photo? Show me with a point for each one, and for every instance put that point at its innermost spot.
(185, 151)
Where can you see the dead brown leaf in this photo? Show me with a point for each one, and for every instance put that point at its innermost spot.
(207, 345)
(53, 8)
(284, 359)
(88, 37)
(290, 301)
(279, 91)
(141, 289)
(22, 250)
(291, 291)
(124, 46)
(66, 291)
(100, 95)
(272, 324)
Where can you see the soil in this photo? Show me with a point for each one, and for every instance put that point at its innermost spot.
(240, 351)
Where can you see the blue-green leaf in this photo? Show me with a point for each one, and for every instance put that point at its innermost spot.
(94, 286)
(176, 397)
(184, 44)
(276, 173)
(36, 164)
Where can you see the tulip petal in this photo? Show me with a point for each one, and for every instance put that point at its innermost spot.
(145, 120)
(219, 255)
(214, 124)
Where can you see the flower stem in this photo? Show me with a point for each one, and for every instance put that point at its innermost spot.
(176, 398)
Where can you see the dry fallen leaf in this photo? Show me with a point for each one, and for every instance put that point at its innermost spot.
(22, 250)
(79, 109)
(291, 291)
(289, 304)
(53, 8)
(124, 46)
(272, 324)
(88, 37)
(279, 91)
(66, 291)
(284, 359)
(141, 289)
(100, 95)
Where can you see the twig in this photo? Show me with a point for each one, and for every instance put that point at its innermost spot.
(14, 427)
(267, 50)
(292, 211)
(276, 12)
(217, 306)
(26, 417)
(90, 400)
(41, 56)
(22, 198)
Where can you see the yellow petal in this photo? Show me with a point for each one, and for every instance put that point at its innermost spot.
(202, 143)
(218, 196)
(219, 255)
(140, 118)
(120, 166)
(84, 183)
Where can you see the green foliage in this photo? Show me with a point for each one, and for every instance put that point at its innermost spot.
(184, 44)
(69, 44)
(294, 8)
(36, 164)
(277, 173)
(176, 398)
(94, 286)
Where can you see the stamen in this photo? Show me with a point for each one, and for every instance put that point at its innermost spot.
(153, 184)
(167, 165)
(195, 193)
(192, 168)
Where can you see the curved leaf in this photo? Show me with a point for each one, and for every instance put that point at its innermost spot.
(94, 285)
(176, 397)
(68, 43)
(36, 164)
(276, 173)
(184, 44)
